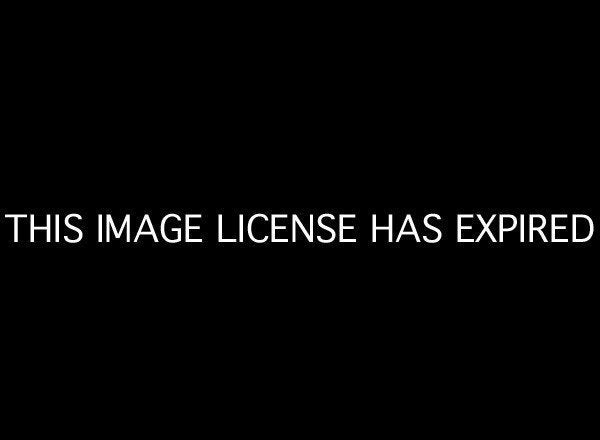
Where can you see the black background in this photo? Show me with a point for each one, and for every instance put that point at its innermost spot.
(386, 112)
